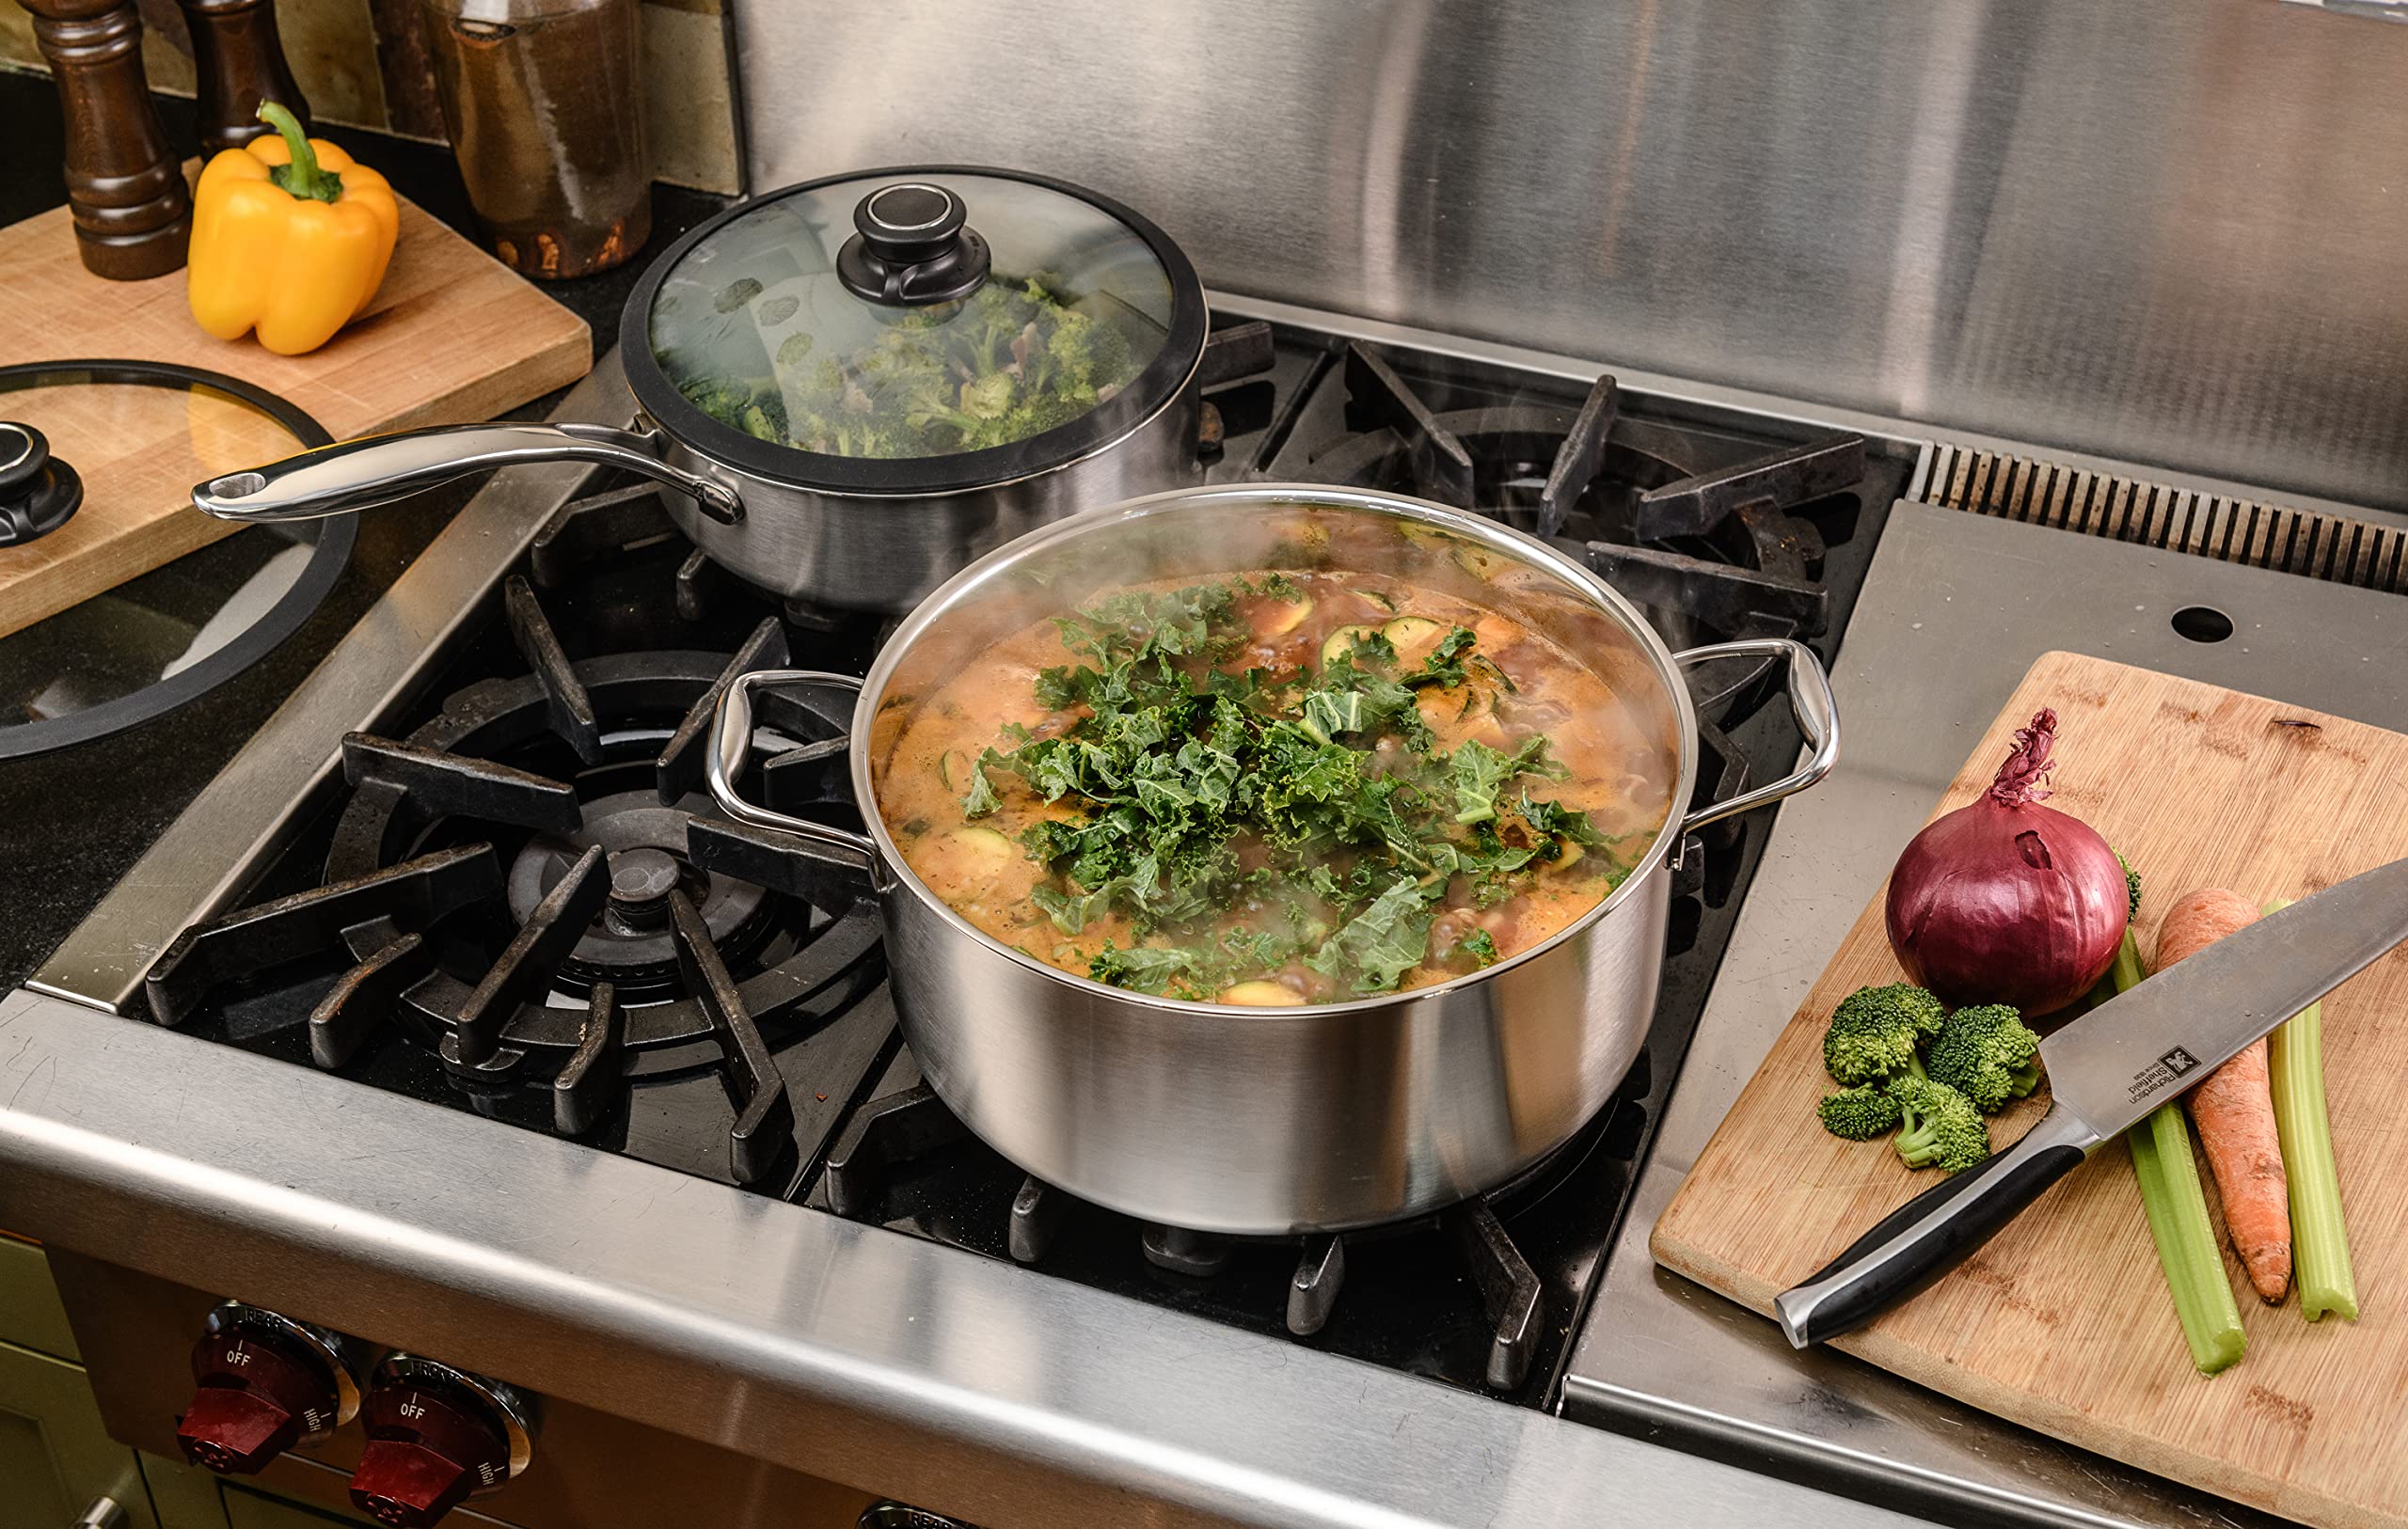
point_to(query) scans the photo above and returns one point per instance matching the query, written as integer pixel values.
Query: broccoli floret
(1036, 416)
(1915, 1006)
(1941, 1125)
(1088, 354)
(1859, 1113)
(751, 404)
(1010, 361)
(1986, 1053)
(1874, 1030)
(1865, 1049)
(764, 420)
(820, 389)
(989, 397)
(2132, 886)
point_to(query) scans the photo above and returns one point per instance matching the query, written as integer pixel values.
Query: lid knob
(913, 245)
(37, 493)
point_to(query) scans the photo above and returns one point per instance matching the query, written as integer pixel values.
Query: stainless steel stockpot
(1276, 1120)
(765, 295)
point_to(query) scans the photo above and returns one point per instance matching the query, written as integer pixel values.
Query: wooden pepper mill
(241, 63)
(126, 192)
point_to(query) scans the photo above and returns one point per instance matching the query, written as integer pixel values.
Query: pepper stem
(304, 177)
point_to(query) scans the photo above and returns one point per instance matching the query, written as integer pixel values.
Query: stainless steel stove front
(597, 1471)
(700, 1350)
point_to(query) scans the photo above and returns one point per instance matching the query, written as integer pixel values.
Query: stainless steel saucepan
(1276, 1120)
(850, 387)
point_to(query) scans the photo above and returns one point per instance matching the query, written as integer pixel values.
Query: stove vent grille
(2328, 547)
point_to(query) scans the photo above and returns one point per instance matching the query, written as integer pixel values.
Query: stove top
(520, 904)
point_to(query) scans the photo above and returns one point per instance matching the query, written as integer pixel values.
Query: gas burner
(607, 547)
(1712, 551)
(912, 1126)
(603, 943)
(644, 844)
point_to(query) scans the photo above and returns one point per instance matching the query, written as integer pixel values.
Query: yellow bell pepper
(289, 237)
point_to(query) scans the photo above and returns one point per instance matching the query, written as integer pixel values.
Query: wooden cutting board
(453, 336)
(2063, 1323)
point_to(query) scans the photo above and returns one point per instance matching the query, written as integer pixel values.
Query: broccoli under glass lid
(911, 314)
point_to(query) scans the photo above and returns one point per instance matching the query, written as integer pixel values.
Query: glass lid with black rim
(94, 460)
(914, 330)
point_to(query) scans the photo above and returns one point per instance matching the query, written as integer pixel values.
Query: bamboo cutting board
(451, 336)
(2063, 1323)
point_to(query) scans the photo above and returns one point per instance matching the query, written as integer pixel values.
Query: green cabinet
(184, 1496)
(54, 1456)
(31, 1315)
(189, 1498)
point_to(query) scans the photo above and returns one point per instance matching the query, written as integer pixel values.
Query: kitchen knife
(2107, 1070)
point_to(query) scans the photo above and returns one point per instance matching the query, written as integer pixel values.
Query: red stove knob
(436, 1437)
(266, 1383)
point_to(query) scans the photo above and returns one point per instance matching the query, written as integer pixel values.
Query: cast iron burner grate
(515, 883)
(890, 1136)
(1712, 547)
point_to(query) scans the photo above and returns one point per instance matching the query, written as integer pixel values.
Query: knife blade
(2119, 1062)
(2106, 1071)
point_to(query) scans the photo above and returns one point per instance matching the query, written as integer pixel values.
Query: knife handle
(1932, 1233)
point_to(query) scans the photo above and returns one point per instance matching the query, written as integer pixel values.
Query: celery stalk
(2186, 1241)
(2178, 1217)
(2320, 1243)
(2127, 973)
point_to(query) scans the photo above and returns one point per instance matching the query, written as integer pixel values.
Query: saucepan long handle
(732, 746)
(1810, 700)
(1932, 1233)
(378, 469)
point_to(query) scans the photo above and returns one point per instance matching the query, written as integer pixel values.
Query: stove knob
(436, 1437)
(893, 1515)
(266, 1383)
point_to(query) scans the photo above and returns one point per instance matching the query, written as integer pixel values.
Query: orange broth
(1522, 685)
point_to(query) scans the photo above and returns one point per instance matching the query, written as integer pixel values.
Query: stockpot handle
(378, 469)
(732, 745)
(1811, 702)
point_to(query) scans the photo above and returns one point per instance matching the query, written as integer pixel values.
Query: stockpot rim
(897, 878)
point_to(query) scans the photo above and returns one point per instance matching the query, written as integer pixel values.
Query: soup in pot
(1273, 788)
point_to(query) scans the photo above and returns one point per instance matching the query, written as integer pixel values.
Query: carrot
(2234, 1108)
(2197, 920)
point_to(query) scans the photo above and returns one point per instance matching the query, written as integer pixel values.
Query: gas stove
(506, 896)
(520, 903)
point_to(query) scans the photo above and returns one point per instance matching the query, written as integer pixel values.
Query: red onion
(2005, 901)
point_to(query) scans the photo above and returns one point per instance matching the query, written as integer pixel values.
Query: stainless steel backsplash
(2171, 233)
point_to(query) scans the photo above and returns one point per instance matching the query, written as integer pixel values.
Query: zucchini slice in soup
(1336, 646)
(1413, 637)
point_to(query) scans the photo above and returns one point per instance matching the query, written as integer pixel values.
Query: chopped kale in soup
(1273, 789)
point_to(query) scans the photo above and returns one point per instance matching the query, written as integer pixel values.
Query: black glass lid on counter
(77, 666)
(914, 330)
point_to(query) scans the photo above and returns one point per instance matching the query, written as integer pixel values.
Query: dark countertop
(72, 823)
